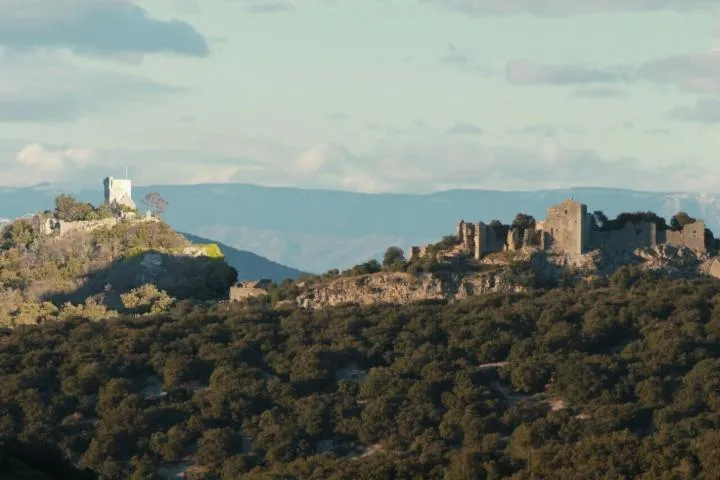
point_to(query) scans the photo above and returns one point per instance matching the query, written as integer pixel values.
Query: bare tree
(155, 203)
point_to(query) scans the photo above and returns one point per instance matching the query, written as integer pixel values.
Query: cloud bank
(95, 27)
(408, 165)
(34, 90)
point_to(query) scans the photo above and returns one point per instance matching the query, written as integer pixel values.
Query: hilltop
(96, 261)
(569, 245)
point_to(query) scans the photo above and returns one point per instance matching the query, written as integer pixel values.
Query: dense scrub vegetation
(68, 209)
(46, 277)
(615, 379)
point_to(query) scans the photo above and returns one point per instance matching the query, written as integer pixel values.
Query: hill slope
(316, 230)
(249, 265)
(595, 381)
(102, 267)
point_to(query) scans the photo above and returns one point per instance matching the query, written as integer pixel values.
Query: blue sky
(416, 95)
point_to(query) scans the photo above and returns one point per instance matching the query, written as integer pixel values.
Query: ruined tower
(118, 190)
(567, 227)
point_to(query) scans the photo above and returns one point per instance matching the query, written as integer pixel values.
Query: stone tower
(567, 227)
(118, 190)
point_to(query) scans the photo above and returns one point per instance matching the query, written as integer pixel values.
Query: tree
(394, 257)
(65, 207)
(70, 210)
(679, 220)
(523, 221)
(155, 203)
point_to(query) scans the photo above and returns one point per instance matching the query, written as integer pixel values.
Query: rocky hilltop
(570, 245)
(509, 276)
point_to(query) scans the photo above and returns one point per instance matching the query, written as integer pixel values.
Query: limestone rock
(400, 288)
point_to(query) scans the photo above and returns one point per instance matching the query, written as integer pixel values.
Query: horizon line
(393, 193)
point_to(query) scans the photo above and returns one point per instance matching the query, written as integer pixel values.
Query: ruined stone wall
(569, 229)
(633, 235)
(691, 236)
(488, 239)
(62, 227)
(468, 237)
(240, 293)
(566, 228)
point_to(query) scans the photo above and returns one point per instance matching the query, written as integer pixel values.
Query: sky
(369, 96)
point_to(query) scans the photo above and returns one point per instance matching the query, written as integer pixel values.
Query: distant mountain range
(316, 230)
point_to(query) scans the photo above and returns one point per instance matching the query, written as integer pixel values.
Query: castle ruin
(119, 191)
(569, 229)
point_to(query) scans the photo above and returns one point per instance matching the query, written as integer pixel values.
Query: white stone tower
(119, 190)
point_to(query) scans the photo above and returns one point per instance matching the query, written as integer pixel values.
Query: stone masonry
(569, 229)
(119, 190)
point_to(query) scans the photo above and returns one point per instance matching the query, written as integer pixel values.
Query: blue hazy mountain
(249, 265)
(315, 230)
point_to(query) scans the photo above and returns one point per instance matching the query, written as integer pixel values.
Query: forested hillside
(605, 380)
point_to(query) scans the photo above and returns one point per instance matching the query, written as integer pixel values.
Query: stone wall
(691, 236)
(566, 228)
(480, 239)
(243, 290)
(633, 235)
(489, 239)
(62, 227)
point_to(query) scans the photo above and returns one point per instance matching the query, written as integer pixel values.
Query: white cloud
(35, 155)
(323, 158)
(419, 163)
(36, 163)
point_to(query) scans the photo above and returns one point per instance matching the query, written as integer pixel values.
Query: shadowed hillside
(19, 461)
(180, 276)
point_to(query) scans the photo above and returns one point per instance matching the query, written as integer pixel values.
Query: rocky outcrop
(492, 274)
(401, 288)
